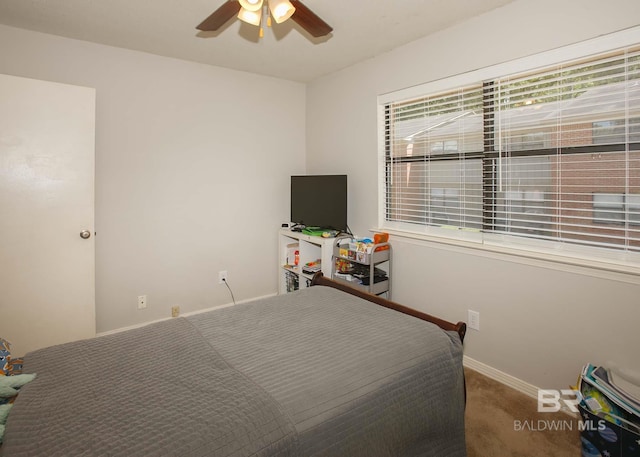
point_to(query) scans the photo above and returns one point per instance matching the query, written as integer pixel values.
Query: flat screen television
(319, 201)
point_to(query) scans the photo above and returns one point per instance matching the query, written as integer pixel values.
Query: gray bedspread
(312, 373)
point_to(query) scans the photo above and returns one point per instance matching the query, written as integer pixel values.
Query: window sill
(611, 269)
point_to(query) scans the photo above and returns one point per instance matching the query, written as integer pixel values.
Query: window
(551, 155)
(615, 131)
(618, 209)
(608, 208)
(434, 166)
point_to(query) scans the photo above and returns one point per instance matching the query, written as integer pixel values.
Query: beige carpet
(501, 421)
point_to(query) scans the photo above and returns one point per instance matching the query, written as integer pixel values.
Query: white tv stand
(310, 248)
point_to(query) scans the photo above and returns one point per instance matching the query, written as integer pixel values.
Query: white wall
(192, 172)
(539, 323)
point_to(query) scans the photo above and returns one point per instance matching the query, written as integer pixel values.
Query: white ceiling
(361, 30)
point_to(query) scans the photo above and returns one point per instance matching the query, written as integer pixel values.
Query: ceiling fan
(257, 12)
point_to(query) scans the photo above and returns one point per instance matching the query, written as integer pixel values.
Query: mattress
(313, 373)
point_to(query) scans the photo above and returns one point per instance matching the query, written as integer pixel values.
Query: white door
(47, 143)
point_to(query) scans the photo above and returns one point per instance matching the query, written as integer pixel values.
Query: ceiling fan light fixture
(251, 5)
(258, 12)
(281, 10)
(250, 17)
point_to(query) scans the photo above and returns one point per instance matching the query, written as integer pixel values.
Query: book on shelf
(607, 400)
(312, 267)
(605, 377)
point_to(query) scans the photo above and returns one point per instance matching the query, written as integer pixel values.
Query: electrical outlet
(175, 311)
(142, 301)
(222, 276)
(474, 320)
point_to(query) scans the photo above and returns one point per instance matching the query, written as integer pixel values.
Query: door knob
(85, 234)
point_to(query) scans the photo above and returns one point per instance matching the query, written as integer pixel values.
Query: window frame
(625, 211)
(566, 253)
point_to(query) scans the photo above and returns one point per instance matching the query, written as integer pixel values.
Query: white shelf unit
(310, 248)
(371, 261)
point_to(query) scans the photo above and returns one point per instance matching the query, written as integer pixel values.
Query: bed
(324, 371)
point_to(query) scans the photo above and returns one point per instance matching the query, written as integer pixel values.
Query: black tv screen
(319, 201)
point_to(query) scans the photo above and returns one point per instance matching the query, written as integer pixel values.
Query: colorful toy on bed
(8, 366)
(9, 371)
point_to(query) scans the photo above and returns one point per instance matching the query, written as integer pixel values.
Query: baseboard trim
(508, 380)
(500, 376)
(190, 313)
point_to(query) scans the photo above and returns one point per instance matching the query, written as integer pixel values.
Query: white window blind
(434, 173)
(552, 154)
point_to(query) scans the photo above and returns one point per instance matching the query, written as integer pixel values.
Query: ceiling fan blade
(309, 21)
(220, 16)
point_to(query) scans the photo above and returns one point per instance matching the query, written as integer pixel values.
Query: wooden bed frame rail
(320, 280)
